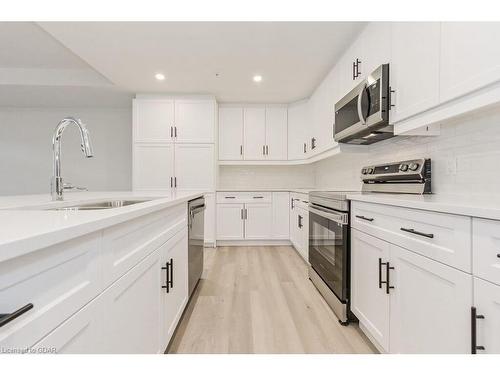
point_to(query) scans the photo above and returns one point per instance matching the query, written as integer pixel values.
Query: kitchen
(216, 206)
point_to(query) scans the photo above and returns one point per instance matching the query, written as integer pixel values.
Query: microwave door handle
(360, 99)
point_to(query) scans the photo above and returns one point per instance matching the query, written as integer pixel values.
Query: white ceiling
(292, 57)
(36, 70)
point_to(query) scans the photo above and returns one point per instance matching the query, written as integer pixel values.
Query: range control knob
(413, 166)
(403, 167)
(363, 171)
(370, 170)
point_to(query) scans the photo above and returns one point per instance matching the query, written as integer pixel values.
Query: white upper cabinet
(414, 70)
(376, 47)
(298, 122)
(470, 57)
(153, 120)
(194, 121)
(153, 166)
(254, 133)
(174, 120)
(276, 133)
(231, 133)
(194, 167)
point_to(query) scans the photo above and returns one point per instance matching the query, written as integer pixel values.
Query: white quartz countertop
(468, 205)
(26, 226)
(293, 190)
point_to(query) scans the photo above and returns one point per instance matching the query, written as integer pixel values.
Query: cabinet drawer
(57, 280)
(127, 243)
(244, 197)
(486, 249)
(442, 237)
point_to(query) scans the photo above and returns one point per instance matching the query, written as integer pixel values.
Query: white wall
(266, 177)
(465, 157)
(26, 149)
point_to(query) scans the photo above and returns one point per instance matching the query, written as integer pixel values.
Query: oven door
(328, 248)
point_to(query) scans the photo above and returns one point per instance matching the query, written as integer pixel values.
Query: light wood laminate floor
(258, 299)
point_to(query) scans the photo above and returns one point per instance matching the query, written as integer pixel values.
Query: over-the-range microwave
(362, 116)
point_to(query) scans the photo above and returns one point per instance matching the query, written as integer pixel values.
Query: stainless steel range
(329, 237)
(329, 249)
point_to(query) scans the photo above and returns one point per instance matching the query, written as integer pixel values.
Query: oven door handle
(340, 218)
(360, 99)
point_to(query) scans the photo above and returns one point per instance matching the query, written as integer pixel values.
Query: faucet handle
(70, 186)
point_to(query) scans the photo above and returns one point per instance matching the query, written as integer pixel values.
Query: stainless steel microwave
(362, 116)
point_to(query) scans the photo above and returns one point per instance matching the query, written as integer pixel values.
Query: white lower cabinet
(430, 305)
(280, 215)
(369, 299)
(408, 303)
(131, 310)
(257, 216)
(174, 285)
(258, 221)
(137, 313)
(82, 333)
(299, 225)
(123, 319)
(487, 304)
(230, 225)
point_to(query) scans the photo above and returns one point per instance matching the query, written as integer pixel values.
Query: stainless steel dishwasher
(196, 223)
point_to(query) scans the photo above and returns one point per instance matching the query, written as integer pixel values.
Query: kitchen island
(109, 280)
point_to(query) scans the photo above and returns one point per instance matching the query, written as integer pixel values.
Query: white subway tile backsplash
(463, 157)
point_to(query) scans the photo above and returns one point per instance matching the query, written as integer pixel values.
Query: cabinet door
(369, 300)
(298, 121)
(470, 57)
(375, 44)
(281, 215)
(303, 233)
(153, 166)
(258, 221)
(80, 334)
(57, 281)
(194, 121)
(430, 305)
(132, 310)
(293, 226)
(174, 256)
(276, 133)
(414, 70)
(230, 221)
(230, 133)
(153, 120)
(487, 303)
(194, 166)
(209, 230)
(255, 133)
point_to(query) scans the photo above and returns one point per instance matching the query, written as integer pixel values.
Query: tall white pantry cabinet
(174, 148)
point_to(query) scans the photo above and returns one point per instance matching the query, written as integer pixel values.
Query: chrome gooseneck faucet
(57, 187)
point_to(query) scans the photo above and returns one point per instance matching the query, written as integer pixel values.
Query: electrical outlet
(451, 166)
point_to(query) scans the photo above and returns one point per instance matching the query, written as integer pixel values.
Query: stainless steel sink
(100, 205)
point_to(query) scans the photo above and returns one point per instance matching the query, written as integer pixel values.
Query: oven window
(347, 115)
(327, 252)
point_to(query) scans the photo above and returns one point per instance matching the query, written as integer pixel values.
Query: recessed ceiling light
(257, 78)
(159, 76)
